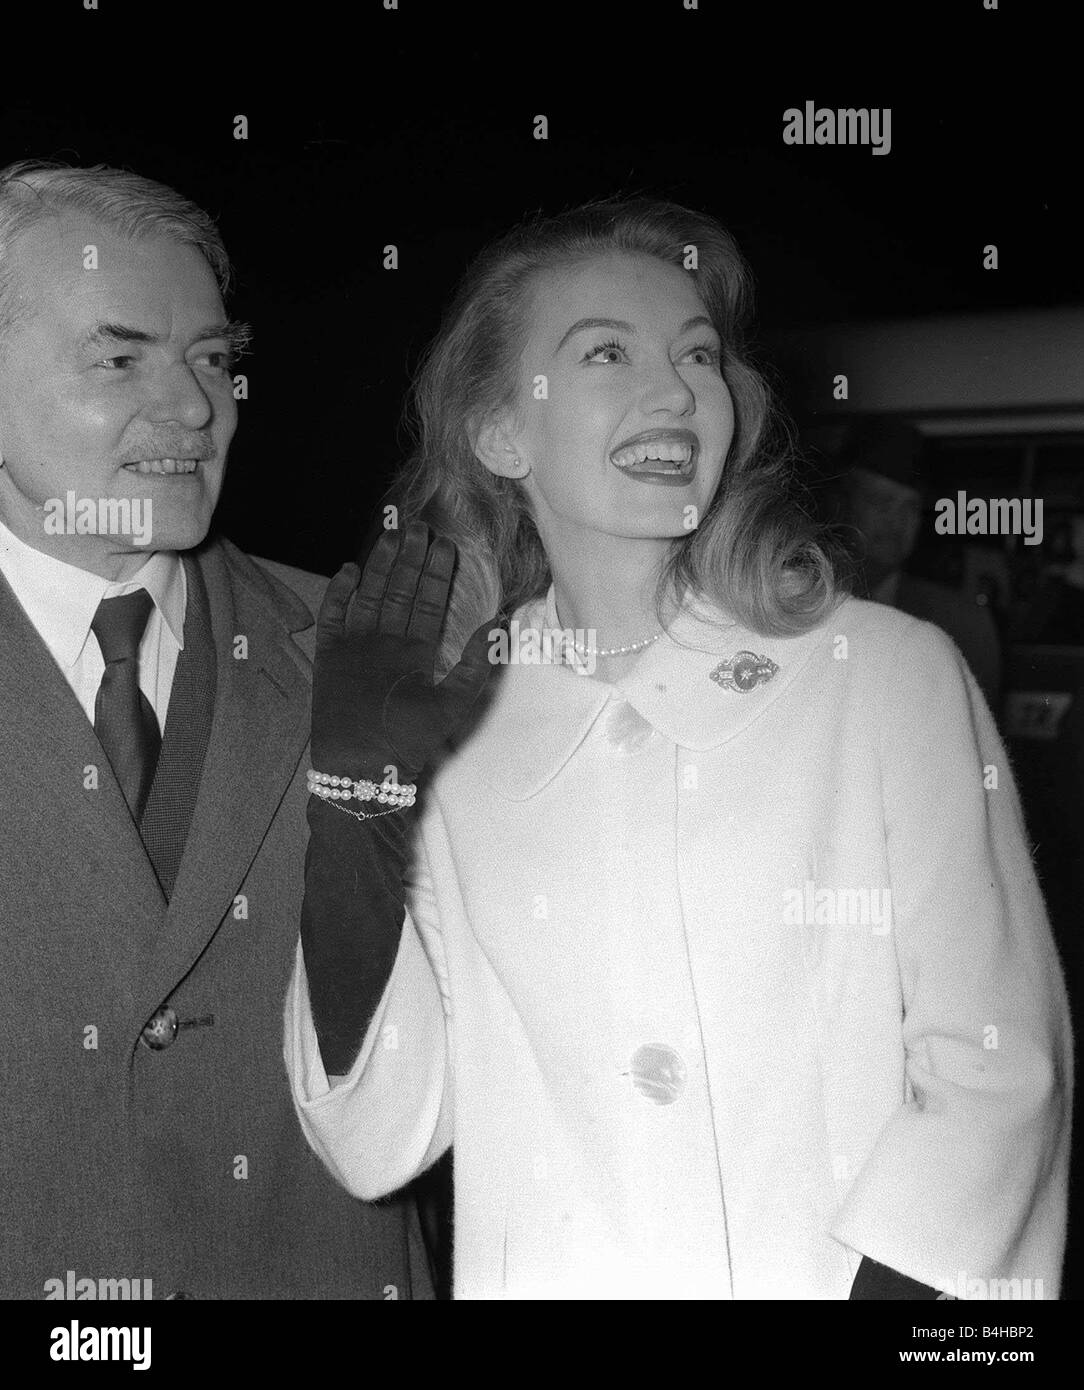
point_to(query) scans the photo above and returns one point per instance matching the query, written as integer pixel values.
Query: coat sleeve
(390, 1117)
(969, 1176)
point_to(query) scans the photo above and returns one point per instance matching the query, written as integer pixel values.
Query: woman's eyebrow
(581, 324)
(699, 321)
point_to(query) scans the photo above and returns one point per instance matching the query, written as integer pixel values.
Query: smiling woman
(599, 965)
(517, 317)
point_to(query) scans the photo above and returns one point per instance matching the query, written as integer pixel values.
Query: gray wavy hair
(34, 190)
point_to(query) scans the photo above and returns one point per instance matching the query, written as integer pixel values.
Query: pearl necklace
(612, 651)
(617, 651)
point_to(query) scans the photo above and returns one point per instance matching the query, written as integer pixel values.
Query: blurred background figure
(879, 500)
(1056, 612)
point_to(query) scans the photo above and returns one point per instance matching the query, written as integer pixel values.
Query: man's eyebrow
(236, 334)
(698, 322)
(117, 332)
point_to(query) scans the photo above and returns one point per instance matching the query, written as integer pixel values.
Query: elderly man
(155, 684)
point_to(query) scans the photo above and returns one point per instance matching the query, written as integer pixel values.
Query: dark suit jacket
(183, 1165)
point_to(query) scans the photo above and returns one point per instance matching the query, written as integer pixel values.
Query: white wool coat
(715, 991)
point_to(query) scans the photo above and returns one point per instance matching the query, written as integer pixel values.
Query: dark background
(415, 128)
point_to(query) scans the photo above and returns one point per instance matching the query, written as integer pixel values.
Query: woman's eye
(709, 356)
(601, 348)
(116, 364)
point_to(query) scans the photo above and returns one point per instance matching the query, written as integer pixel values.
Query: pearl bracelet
(397, 795)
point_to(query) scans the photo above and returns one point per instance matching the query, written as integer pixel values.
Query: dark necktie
(123, 718)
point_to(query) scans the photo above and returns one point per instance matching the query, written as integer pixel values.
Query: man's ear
(495, 448)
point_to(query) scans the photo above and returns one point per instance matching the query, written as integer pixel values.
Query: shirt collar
(61, 599)
(541, 713)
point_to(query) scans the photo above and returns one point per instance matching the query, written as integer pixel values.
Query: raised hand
(374, 699)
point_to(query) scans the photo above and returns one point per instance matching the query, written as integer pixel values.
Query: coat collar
(67, 825)
(258, 734)
(541, 713)
(259, 731)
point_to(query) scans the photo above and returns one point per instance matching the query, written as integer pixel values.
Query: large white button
(657, 1072)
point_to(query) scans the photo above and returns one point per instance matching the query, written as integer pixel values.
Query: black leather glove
(374, 700)
(375, 706)
(877, 1281)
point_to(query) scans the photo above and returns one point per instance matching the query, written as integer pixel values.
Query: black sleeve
(351, 920)
(875, 1280)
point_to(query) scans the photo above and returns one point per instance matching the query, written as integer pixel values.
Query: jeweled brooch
(744, 671)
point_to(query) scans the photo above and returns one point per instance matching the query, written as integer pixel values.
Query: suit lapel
(168, 814)
(259, 731)
(57, 829)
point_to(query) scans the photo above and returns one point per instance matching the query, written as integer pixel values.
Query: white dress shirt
(61, 601)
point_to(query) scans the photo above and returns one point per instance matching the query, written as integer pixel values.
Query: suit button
(161, 1028)
(657, 1072)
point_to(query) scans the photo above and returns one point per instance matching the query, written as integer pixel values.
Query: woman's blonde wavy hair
(756, 553)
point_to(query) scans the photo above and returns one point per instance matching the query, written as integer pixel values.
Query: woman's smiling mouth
(658, 456)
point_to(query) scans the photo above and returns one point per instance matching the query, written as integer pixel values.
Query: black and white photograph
(635, 453)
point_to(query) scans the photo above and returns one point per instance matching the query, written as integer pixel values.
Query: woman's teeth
(163, 466)
(637, 456)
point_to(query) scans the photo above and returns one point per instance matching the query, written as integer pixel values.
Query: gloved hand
(878, 1281)
(374, 704)
(374, 700)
